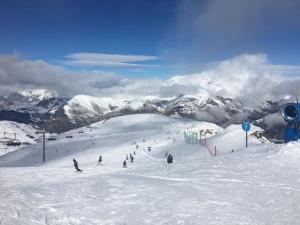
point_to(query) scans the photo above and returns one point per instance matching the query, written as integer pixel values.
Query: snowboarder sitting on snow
(124, 164)
(100, 159)
(76, 165)
(170, 158)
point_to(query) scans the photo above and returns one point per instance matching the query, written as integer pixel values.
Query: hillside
(59, 113)
(194, 188)
(16, 133)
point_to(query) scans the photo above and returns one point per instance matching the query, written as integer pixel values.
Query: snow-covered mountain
(17, 134)
(59, 114)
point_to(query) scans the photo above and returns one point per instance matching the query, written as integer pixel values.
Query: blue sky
(166, 36)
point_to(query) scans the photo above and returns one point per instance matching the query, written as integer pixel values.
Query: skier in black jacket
(170, 158)
(76, 165)
(131, 158)
(100, 159)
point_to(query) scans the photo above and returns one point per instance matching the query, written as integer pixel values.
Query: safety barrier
(195, 138)
(211, 149)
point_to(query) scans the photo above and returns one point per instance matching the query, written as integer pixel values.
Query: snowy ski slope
(258, 185)
(11, 130)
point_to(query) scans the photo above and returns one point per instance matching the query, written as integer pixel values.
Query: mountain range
(53, 113)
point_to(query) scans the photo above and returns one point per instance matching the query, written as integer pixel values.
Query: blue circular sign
(246, 126)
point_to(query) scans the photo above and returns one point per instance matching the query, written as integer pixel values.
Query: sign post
(44, 146)
(246, 128)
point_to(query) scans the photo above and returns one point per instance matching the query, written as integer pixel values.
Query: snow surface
(258, 185)
(233, 138)
(10, 130)
(85, 104)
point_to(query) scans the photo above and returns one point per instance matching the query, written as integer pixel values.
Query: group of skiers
(101, 159)
(80, 170)
(131, 159)
(169, 158)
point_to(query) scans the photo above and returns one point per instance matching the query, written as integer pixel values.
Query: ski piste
(198, 182)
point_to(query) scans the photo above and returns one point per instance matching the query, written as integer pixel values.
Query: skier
(131, 158)
(124, 164)
(76, 165)
(126, 156)
(134, 152)
(170, 158)
(100, 159)
(137, 146)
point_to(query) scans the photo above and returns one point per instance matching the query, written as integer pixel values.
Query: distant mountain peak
(37, 95)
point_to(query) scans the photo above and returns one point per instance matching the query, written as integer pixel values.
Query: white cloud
(19, 74)
(108, 60)
(284, 69)
(250, 78)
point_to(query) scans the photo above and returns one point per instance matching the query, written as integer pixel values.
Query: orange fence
(194, 138)
(211, 149)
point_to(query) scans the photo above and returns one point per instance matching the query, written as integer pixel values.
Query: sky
(142, 40)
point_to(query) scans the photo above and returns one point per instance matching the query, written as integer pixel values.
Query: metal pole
(297, 122)
(44, 147)
(246, 139)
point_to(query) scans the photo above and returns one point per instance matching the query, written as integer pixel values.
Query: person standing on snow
(124, 164)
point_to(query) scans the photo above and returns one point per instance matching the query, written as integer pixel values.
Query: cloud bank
(247, 77)
(20, 74)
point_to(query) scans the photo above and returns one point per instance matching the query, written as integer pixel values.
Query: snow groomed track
(259, 185)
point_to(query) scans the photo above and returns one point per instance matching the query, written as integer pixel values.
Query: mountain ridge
(59, 114)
